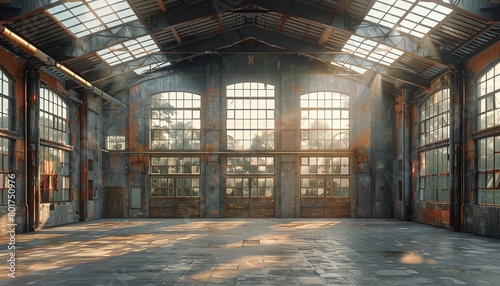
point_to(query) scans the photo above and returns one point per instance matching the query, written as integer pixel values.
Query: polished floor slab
(251, 252)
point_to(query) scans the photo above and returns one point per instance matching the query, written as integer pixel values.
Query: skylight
(152, 67)
(372, 50)
(129, 50)
(354, 68)
(419, 16)
(90, 16)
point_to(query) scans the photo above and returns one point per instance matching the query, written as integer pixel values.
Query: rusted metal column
(84, 176)
(32, 148)
(456, 145)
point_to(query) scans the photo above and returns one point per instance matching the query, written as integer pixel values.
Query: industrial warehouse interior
(250, 142)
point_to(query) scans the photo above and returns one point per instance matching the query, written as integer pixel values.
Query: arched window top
(324, 99)
(490, 80)
(250, 89)
(489, 98)
(54, 117)
(175, 120)
(6, 98)
(324, 120)
(176, 100)
(5, 84)
(435, 117)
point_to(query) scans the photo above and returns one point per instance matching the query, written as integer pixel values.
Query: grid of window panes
(5, 101)
(324, 187)
(434, 175)
(253, 186)
(175, 121)
(324, 121)
(115, 142)
(175, 187)
(317, 179)
(54, 123)
(54, 175)
(419, 16)
(435, 117)
(250, 116)
(175, 165)
(249, 187)
(488, 165)
(250, 165)
(6, 151)
(324, 165)
(87, 17)
(489, 99)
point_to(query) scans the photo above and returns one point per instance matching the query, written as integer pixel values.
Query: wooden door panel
(114, 202)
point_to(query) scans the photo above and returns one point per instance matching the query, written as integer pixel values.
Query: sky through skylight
(413, 17)
(90, 16)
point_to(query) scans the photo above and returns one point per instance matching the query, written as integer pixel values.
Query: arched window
(488, 149)
(434, 159)
(54, 162)
(175, 120)
(6, 144)
(250, 116)
(324, 121)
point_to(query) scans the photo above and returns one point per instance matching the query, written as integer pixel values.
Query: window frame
(428, 116)
(193, 107)
(344, 113)
(259, 124)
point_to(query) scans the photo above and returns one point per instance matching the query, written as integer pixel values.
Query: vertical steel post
(407, 160)
(456, 145)
(32, 110)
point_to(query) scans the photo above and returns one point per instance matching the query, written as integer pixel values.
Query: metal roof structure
(181, 33)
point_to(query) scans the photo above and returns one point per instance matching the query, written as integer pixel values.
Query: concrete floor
(252, 252)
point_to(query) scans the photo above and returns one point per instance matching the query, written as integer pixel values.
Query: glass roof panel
(421, 18)
(354, 68)
(128, 50)
(103, 14)
(372, 50)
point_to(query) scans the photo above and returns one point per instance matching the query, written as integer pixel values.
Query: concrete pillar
(212, 108)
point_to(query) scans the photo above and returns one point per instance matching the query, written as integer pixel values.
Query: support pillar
(32, 148)
(84, 177)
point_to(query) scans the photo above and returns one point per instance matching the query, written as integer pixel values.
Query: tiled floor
(252, 252)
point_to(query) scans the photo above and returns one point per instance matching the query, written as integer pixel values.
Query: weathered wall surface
(371, 156)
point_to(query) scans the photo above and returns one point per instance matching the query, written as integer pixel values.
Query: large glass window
(434, 166)
(175, 121)
(324, 177)
(177, 177)
(488, 165)
(489, 99)
(250, 116)
(249, 176)
(435, 117)
(324, 121)
(488, 149)
(54, 175)
(6, 123)
(54, 162)
(54, 122)
(434, 161)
